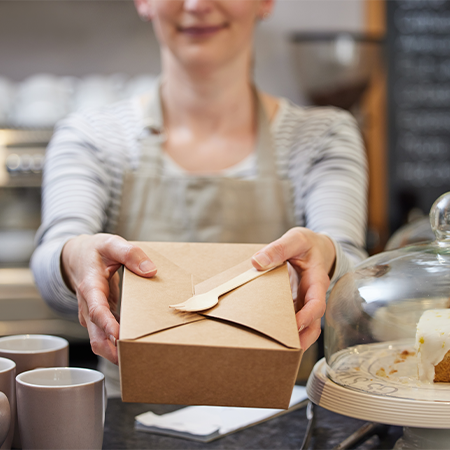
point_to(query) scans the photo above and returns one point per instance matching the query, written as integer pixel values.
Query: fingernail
(147, 266)
(302, 327)
(113, 340)
(263, 260)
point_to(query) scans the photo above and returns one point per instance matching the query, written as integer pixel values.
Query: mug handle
(5, 417)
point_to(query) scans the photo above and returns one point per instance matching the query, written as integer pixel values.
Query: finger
(311, 311)
(310, 335)
(294, 243)
(314, 305)
(100, 344)
(81, 319)
(96, 309)
(298, 304)
(312, 294)
(313, 284)
(83, 311)
(116, 248)
(103, 318)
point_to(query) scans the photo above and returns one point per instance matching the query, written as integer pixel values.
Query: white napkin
(212, 420)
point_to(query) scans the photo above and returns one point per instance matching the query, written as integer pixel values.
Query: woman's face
(204, 32)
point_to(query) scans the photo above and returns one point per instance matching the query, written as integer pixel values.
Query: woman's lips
(201, 31)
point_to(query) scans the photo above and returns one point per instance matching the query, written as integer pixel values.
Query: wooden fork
(209, 299)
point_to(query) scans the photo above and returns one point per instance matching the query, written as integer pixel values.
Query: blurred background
(387, 62)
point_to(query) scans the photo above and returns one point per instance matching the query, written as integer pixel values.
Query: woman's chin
(200, 61)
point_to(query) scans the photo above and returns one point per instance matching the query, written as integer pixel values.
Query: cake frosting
(433, 345)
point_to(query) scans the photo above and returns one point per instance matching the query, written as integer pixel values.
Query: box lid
(263, 306)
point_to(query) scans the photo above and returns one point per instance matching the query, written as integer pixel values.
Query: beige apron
(191, 208)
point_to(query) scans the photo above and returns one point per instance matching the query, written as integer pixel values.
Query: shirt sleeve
(74, 201)
(331, 186)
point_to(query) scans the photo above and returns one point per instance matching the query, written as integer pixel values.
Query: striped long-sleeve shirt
(320, 150)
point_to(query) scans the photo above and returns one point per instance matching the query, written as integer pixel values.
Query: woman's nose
(198, 6)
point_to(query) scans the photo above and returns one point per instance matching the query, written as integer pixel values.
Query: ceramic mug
(61, 408)
(7, 412)
(30, 351)
(5, 418)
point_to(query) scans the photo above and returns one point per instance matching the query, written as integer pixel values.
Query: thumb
(270, 256)
(131, 256)
(264, 259)
(293, 244)
(145, 268)
(139, 263)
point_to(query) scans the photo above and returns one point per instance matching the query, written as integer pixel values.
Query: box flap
(214, 333)
(260, 305)
(149, 311)
(203, 259)
(180, 264)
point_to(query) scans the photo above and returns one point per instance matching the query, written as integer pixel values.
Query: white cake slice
(433, 346)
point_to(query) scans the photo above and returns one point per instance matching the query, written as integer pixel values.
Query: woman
(204, 157)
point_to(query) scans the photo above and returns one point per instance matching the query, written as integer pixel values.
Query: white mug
(41, 100)
(5, 418)
(30, 351)
(7, 402)
(61, 408)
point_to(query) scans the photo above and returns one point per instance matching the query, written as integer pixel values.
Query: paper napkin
(206, 423)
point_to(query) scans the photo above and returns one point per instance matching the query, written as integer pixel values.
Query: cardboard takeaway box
(243, 352)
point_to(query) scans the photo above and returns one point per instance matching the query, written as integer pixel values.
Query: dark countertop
(284, 432)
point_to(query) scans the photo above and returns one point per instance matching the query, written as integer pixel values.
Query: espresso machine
(335, 68)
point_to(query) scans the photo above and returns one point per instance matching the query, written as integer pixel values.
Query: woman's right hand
(89, 265)
(313, 257)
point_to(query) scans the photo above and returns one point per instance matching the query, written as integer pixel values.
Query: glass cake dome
(373, 311)
(372, 370)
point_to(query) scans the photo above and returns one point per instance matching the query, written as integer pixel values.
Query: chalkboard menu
(418, 55)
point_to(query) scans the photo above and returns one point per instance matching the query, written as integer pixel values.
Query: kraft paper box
(243, 352)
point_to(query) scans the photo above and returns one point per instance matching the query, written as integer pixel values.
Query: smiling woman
(200, 34)
(205, 45)
(204, 157)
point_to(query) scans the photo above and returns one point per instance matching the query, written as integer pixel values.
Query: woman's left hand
(312, 257)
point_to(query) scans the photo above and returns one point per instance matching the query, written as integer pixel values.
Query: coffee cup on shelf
(41, 100)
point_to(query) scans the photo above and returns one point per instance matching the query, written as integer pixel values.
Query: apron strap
(267, 164)
(153, 136)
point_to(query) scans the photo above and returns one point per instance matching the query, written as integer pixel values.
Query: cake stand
(378, 383)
